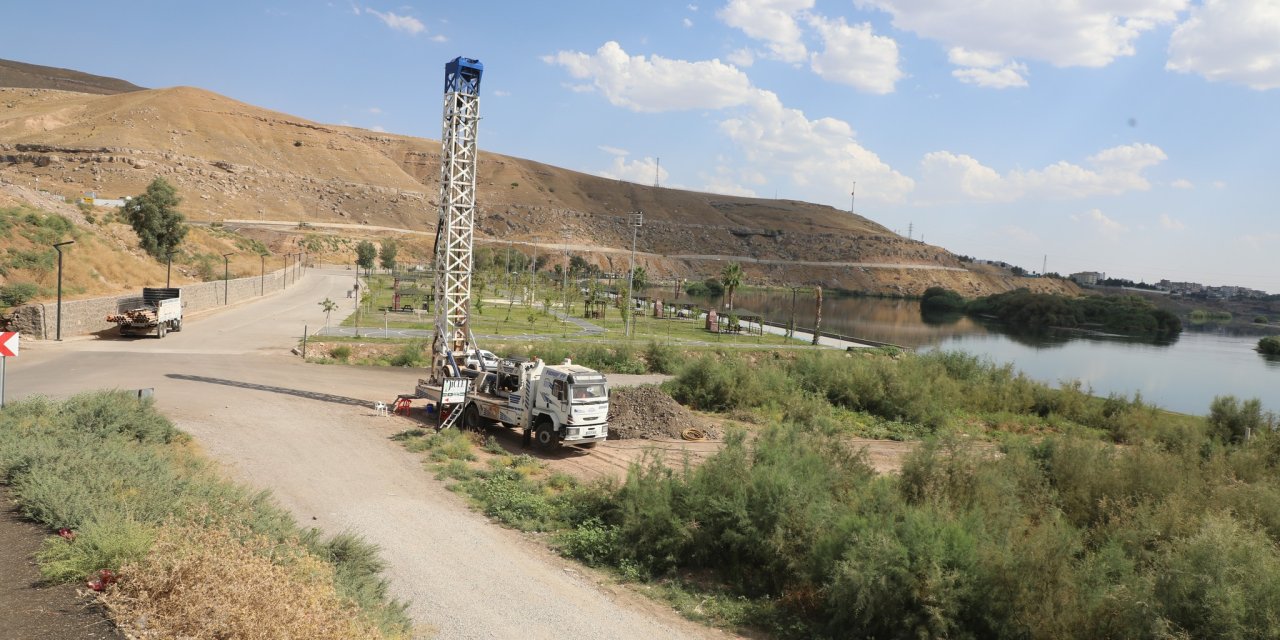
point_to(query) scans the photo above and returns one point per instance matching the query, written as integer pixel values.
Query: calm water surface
(1183, 376)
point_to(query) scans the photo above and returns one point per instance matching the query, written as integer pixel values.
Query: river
(1182, 376)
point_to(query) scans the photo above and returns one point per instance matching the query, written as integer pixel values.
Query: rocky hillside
(234, 161)
(34, 76)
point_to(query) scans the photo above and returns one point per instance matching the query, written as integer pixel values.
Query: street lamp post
(226, 278)
(58, 247)
(636, 219)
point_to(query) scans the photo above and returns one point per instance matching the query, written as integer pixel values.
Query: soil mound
(648, 412)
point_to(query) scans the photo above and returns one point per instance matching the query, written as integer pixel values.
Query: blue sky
(1135, 137)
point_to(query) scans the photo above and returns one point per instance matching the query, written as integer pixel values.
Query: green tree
(640, 279)
(365, 253)
(731, 276)
(387, 256)
(329, 306)
(155, 218)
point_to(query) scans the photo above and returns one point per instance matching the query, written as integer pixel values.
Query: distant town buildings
(1088, 278)
(1222, 293)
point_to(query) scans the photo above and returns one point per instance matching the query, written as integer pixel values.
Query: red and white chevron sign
(9, 344)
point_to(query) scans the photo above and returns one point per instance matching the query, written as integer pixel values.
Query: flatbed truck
(157, 312)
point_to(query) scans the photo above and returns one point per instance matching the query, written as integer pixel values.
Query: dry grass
(199, 582)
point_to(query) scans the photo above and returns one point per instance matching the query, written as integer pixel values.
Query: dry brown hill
(231, 160)
(34, 76)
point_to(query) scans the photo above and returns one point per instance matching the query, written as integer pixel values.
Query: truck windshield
(589, 392)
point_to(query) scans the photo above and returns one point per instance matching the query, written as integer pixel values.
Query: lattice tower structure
(455, 231)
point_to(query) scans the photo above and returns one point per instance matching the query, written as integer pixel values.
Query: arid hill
(34, 76)
(233, 161)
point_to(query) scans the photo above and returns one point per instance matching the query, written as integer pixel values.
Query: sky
(1140, 138)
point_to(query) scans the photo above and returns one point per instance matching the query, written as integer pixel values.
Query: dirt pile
(647, 412)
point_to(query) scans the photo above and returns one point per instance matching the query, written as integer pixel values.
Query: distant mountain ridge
(23, 75)
(234, 161)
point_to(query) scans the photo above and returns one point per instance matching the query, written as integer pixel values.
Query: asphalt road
(309, 434)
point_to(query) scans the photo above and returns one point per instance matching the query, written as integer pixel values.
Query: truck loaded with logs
(157, 312)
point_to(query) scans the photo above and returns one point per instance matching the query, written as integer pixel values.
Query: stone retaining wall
(80, 317)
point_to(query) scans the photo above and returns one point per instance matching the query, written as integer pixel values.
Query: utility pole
(853, 195)
(1044, 266)
(226, 283)
(636, 220)
(262, 278)
(58, 247)
(910, 229)
(657, 171)
(168, 267)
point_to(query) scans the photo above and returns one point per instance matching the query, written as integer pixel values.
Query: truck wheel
(160, 330)
(471, 418)
(177, 324)
(546, 436)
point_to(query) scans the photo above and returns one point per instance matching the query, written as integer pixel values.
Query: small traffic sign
(9, 343)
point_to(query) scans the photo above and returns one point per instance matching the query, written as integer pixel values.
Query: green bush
(1232, 421)
(1269, 345)
(341, 353)
(411, 355)
(18, 293)
(941, 300)
(660, 358)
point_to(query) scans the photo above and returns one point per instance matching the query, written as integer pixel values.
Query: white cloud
(1218, 184)
(377, 128)
(1008, 76)
(1235, 41)
(986, 69)
(854, 55)
(439, 37)
(692, 7)
(773, 21)
(1170, 223)
(743, 57)
(641, 171)
(949, 177)
(1182, 183)
(614, 151)
(375, 110)
(657, 83)
(1085, 33)
(499, 93)
(822, 153)
(407, 24)
(687, 23)
(1105, 226)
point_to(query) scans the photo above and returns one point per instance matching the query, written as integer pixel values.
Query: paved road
(308, 433)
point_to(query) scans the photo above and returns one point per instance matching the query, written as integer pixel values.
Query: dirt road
(308, 433)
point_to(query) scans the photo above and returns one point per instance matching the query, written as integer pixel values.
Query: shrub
(340, 352)
(1269, 345)
(941, 300)
(1232, 421)
(1261, 320)
(660, 358)
(18, 293)
(411, 355)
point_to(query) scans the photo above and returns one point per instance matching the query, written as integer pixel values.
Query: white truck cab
(553, 404)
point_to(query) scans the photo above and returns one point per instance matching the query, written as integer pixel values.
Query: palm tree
(640, 279)
(731, 276)
(329, 307)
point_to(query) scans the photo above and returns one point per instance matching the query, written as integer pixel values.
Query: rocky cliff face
(231, 160)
